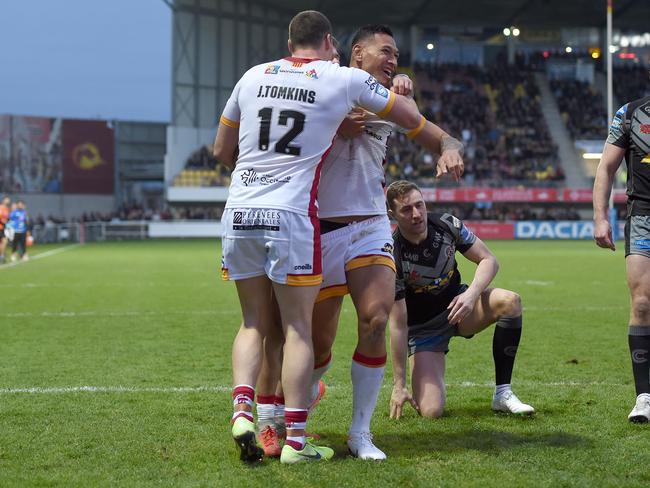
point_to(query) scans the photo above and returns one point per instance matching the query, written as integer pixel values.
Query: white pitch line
(227, 388)
(42, 255)
(113, 313)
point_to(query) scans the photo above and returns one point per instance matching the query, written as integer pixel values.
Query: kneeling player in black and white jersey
(432, 305)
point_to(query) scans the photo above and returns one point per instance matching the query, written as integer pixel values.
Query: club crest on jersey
(272, 69)
(646, 159)
(311, 74)
(249, 176)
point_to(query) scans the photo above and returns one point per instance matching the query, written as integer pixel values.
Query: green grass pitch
(115, 371)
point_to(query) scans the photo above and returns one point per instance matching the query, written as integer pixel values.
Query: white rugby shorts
(283, 245)
(357, 245)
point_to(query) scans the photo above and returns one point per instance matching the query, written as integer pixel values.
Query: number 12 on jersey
(283, 146)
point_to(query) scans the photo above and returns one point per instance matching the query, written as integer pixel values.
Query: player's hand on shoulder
(398, 398)
(352, 125)
(603, 234)
(450, 162)
(461, 306)
(402, 85)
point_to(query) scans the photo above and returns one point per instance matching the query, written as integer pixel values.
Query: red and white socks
(296, 419)
(243, 397)
(265, 409)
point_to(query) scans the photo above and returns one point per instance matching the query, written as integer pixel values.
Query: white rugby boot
(509, 403)
(361, 446)
(640, 414)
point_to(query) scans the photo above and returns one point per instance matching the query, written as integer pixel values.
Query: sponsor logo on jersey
(272, 69)
(413, 257)
(435, 284)
(645, 128)
(256, 219)
(646, 109)
(642, 244)
(311, 74)
(377, 87)
(646, 159)
(250, 177)
(382, 91)
(374, 135)
(303, 267)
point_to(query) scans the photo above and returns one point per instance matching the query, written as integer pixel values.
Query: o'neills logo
(86, 156)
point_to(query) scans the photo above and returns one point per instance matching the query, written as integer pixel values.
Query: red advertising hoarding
(525, 195)
(89, 153)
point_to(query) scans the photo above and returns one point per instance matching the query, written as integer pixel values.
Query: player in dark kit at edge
(629, 137)
(432, 305)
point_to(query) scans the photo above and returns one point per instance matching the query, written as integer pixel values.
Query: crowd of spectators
(631, 83)
(496, 113)
(509, 212)
(202, 160)
(582, 108)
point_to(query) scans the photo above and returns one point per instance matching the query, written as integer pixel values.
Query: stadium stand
(497, 113)
(631, 83)
(582, 107)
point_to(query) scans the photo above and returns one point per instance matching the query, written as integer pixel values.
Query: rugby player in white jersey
(356, 236)
(278, 125)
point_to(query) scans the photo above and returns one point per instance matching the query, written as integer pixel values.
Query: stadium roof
(628, 14)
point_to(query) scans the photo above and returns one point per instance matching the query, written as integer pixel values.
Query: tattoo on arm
(450, 143)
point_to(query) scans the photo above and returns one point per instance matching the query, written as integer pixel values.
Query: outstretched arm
(398, 348)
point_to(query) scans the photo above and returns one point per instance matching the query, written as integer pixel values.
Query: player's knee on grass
(641, 309)
(509, 304)
(431, 409)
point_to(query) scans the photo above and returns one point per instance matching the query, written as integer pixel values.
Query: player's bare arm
(605, 174)
(487, 267)
(353, 124)
(226, 143)
(436, 140)
(398, 347)
(403, 111)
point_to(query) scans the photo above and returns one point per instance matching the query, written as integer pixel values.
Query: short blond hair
(397, 189)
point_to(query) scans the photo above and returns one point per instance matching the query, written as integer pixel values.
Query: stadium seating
(582, 108)
(496, 113)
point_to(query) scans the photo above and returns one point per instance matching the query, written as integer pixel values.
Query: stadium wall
(67, 206)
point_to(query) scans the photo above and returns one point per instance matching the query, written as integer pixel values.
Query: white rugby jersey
(352, 179)
(288, 112)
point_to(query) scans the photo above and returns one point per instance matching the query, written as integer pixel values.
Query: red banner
(526, 195)
(88, 148)
(491, 230)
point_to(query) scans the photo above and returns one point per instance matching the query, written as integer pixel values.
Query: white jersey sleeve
(231, 112)
(366, 92)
